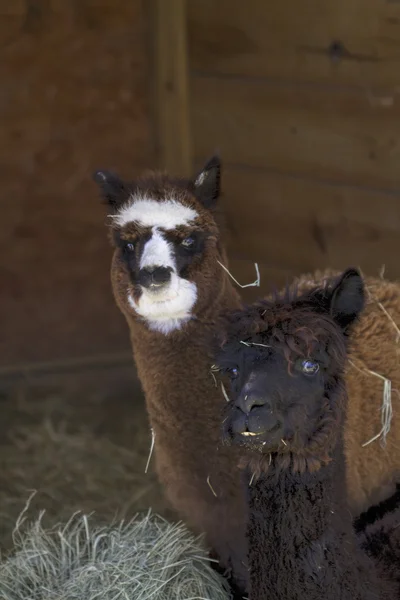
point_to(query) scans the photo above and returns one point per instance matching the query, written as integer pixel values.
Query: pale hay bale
(146, 558)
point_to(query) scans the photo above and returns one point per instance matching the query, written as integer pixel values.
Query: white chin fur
(169, 309)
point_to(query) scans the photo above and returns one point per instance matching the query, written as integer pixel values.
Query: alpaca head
(166, 244)
(283, 361)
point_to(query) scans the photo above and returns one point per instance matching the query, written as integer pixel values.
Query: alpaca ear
(347, 298)
(114, 190)
(207, 182)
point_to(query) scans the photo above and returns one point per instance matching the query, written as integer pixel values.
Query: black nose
(255, 411)
(154, 276)
(246, 402)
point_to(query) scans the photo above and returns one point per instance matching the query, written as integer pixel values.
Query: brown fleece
(372, 471)
(185, 406)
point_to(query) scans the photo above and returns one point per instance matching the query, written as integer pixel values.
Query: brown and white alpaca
(171, 289)
(286, 362)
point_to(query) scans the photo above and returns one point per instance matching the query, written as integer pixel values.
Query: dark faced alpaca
(285, 360)
(164, 233)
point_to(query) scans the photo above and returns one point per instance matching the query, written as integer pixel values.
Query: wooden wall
(303, 100)
(74, 97)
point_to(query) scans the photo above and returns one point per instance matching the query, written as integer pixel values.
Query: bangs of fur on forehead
(195, 197)
(299, 321)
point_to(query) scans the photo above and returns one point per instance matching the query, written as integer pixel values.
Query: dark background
(303, 105)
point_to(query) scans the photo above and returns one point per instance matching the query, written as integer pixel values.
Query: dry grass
(147, 558)
(85, 451)
(81, 450)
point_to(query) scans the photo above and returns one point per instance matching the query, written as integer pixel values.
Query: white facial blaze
(170, 307)
(166, 214)
(157, 252)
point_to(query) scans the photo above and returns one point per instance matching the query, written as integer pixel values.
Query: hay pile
(81, 450)
(84, 451)
(146, 558)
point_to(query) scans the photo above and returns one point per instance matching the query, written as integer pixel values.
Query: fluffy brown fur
(380, 539)
(302, 545)
(184, 405)
(183, 402)
(287, 391)
(373, 470)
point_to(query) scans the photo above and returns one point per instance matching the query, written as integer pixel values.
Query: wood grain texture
(288, 40)
(74, 97)
(171, 86)
(346, 136)
(298, 225)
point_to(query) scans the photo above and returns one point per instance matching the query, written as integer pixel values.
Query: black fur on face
(186, 249)
(283, 364)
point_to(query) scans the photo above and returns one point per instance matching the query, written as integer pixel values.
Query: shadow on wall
(74, 97)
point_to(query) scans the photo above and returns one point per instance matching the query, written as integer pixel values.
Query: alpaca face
(166, 244)
(283, 365)
(161, 241)
(278, 398)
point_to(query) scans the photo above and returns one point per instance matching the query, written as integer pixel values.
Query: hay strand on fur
(387, 407)
(214, 378)
(254, 344)
(153, 438)
(386, 410)
(214, 369)
(386, 413)
(224, 392)
(146, 558)
(255, 283)
(211, 487)
(382, 308)
(389, 316)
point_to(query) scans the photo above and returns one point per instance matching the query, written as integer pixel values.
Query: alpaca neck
(301, 540)
(184, 403)
(184, 406)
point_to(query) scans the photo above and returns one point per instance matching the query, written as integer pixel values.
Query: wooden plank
(341, 135)
(171, 86)
(299, 225)
(291, 41)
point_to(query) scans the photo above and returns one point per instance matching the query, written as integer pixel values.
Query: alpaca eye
(309, 367)
(130, 247)
(188, 242)
(233, 372)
